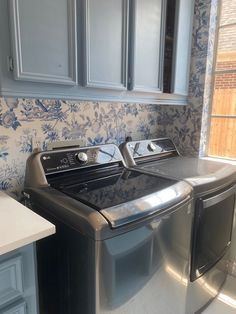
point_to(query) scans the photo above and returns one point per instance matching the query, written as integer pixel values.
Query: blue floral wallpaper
(188, 125)
(22, 121)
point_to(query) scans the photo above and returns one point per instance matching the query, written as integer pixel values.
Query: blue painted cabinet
(106, 35)
(18, 290)
(147, 45)
(19, 308)
(182, 49)
(98, 50)
(44, 40)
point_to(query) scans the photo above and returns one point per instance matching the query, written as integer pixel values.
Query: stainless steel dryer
(123, 237)
(214, 201)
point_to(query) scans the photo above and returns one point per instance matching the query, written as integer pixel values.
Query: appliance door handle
(218, 198)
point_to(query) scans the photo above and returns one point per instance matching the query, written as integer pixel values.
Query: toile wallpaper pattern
(188, 125)
(24, 120)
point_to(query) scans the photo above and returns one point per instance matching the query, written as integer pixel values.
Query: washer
(214, 201)
(123, 237)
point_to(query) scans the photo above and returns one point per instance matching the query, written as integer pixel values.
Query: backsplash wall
(24, 120)
(188, 125)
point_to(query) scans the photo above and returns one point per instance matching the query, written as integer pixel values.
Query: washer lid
(155, 203)
(122, 195)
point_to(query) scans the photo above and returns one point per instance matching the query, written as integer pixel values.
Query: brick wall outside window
(226, 54)
(222, 140)
(225, 81)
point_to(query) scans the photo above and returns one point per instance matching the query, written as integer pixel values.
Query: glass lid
(112, 188)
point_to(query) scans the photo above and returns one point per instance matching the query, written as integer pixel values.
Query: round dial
(82, 157)
(151, 147)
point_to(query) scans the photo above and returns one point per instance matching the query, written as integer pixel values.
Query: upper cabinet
(147, 31)
(106, 50)
(182, 47)
(44, 40)
(112, 50)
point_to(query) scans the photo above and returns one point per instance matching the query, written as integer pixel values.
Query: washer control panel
(69, 159)
(82, 158)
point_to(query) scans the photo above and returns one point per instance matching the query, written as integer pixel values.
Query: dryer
(213, 186)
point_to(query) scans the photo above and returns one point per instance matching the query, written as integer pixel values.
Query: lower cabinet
(11, 280)
(18, 290)
(19, 308)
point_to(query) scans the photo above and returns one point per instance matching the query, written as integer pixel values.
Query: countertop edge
(27, 240)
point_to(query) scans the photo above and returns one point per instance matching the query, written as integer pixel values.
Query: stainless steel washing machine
(214, 201)
(123, 237)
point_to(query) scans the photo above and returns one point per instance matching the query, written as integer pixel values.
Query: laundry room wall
(24, 120)
(188, 125)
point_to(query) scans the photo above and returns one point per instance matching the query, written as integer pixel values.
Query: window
(222, 140)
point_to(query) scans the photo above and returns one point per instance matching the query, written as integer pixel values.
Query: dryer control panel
(146, 148)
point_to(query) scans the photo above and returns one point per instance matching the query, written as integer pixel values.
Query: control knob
(82, 158)
(151, 147)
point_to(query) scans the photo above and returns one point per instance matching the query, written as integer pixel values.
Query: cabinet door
(18, 281)
(147, 45)
(106, 43)
(182, 50)
(15, 309)
(11, 283)
(44, 40)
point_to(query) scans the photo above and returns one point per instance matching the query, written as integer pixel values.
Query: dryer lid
(204, 175)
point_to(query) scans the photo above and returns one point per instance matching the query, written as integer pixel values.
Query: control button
(82, 158)
(64, 161)
(46, 157)
(151, 147)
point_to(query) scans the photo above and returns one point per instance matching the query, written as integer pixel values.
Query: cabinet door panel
(11, 283)
(15, 309)
(147, 45)
(182, 51)
(106, 43)
(44, 40)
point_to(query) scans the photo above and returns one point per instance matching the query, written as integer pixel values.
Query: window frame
(216, 72)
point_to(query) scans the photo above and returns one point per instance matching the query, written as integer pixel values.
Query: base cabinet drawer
(11, 282)
(16, 309)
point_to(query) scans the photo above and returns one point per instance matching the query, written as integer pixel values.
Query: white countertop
(19, 225)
